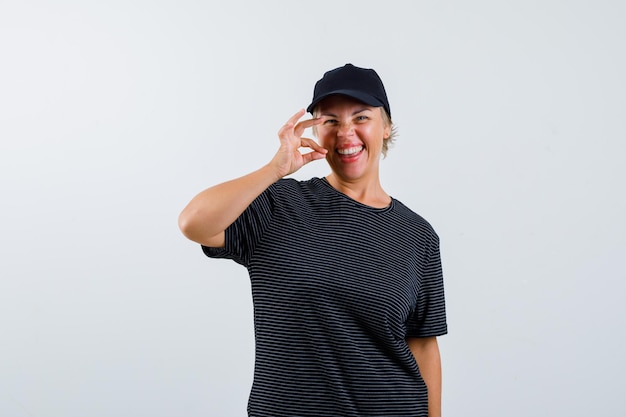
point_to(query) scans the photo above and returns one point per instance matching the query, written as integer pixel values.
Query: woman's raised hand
(289, 159)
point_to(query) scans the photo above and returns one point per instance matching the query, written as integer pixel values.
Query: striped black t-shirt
(337, 286)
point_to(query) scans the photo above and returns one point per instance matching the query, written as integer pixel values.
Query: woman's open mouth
(351, 152)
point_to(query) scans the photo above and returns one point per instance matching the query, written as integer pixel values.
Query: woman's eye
(330, 121)
(361, 118)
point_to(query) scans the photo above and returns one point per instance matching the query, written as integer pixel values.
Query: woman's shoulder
(311, 186)
(412, 217)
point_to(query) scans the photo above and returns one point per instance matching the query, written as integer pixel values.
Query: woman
(346, 281)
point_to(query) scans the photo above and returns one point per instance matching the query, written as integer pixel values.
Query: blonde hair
(387, 143)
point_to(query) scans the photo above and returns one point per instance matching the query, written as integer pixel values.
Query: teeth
(350, 151)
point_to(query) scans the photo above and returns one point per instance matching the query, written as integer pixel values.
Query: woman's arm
(426, 353)
(209, 213)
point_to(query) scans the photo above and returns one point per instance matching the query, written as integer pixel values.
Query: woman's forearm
(210, 212)
(426, 353)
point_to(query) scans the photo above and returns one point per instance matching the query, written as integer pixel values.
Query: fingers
(294, 119)
(310, 143)
(312, 156)
(317, 151)
(290, 135)
(300, 127)
(291, 123)
(297, 129)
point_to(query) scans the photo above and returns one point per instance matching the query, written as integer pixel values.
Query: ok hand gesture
(289, 159)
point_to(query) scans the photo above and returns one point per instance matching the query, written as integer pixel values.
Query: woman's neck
(370, 193)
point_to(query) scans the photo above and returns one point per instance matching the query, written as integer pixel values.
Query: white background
(113, 114)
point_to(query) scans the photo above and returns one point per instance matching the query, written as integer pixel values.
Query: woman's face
(353, 134)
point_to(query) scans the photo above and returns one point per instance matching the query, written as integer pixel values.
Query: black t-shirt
(337, 287)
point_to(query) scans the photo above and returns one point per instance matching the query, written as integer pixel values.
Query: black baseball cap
(362, 84)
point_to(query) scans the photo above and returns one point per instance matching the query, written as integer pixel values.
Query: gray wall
(114, 114)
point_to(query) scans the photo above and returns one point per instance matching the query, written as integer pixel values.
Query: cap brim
(364, 98)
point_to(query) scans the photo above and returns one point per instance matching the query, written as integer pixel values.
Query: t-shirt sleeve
(244, 234)
(429, 317)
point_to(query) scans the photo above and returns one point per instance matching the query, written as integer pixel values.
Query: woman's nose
(345, 129)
